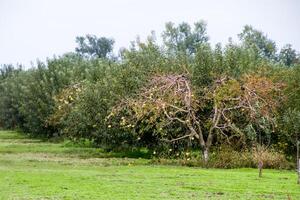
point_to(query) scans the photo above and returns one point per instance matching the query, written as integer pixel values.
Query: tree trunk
(260, 167)
(298, 171)
(205, 155)
(298, 162)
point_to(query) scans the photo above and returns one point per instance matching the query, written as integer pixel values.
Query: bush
(226, 157)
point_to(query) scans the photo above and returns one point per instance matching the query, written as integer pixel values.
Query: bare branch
(179, 138)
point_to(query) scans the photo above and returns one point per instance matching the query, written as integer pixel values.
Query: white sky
(31, 29)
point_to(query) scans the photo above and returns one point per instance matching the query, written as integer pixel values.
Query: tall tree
(183, 38)
(257, 40)
(288, 55)
(94, 47)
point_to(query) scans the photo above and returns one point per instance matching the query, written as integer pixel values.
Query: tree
(225, 109)
(94, 47)
(291, 127)
(6, 71)
(184, 39)
(11, 81)
(287, 55)
(252, 38)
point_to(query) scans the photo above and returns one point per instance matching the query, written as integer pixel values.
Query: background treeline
(96, 96)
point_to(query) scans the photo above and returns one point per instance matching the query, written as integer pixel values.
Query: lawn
(33, 169)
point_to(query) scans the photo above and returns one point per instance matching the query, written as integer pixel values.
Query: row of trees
(184, 93)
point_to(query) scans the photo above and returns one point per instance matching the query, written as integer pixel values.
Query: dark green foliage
(94, 47)
(10, 94)
(288, 55)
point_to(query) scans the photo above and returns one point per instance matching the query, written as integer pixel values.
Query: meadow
(36, 169)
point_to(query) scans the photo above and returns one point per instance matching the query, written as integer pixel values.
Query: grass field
(33, 169)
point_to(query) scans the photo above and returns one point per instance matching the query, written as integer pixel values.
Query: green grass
(33, 169)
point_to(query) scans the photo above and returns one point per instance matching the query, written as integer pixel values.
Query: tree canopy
(93, 46)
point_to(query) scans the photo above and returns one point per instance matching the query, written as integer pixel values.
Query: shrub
(226, 157)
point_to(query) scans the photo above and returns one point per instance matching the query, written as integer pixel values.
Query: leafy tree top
(184, 38)
(94, 47)
(257, 40)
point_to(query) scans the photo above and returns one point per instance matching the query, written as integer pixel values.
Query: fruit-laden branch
(224, 108)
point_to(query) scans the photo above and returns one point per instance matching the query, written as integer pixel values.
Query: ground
(33, 169)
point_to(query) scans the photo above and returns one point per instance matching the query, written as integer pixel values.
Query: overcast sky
(31, 29)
